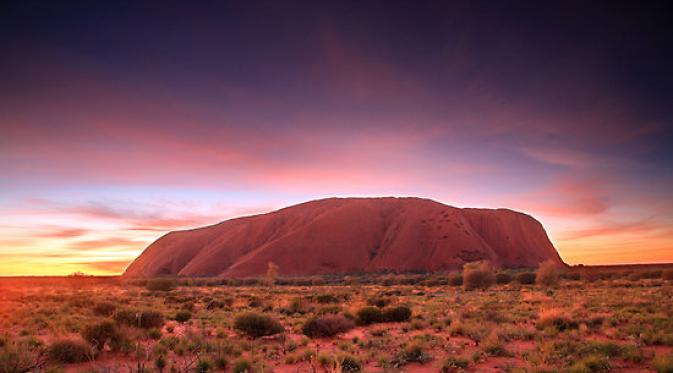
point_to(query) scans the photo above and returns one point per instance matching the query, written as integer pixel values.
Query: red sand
(350, 235)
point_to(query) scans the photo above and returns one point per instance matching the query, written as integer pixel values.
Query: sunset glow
(117, 127)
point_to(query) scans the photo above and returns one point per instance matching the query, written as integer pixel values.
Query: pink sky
(107, 142)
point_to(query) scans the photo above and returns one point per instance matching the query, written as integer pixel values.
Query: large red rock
(350, 235)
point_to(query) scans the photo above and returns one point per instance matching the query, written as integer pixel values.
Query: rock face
(350, 235)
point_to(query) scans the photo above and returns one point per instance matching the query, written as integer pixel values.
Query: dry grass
(620, 321)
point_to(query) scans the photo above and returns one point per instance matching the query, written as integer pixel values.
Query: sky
(121, 121)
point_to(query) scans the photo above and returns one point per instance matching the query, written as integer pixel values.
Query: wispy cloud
(58, 232)
(646, 226)
(109, 267)
(568, 197)
(105, 244)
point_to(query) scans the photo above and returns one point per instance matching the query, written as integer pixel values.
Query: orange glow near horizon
(105, 247)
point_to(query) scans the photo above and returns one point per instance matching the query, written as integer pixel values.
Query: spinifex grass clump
(369, 315)
(454, 364)
(327, 326)
(19, 355)
(664, 363)
(242, 366)
(69, 351)
(104, 309)
(412, 353)
(102, 333)
(379, 302)
(348, 364)
(556, 320)
(183, 316)
(140, 319)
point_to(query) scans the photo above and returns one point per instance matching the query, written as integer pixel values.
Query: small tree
(478, 275)
(327, 326)
(271, 273)
(548, 274)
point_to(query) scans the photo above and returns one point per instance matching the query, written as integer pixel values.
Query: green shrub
(160, 362)
(327, 326)
(590, 364)
(326, 360)
(326, 310)
(140, 319)
(378, 302)
(526, 278)
(297, 305)
(502, 278)
(242, 366)
(369, 315)
(18, 356)
(104, 309)
(255, 302)
(127, 317)
(69, 351)
(257, 325)
(326, 298)
(183, 316)
(413, 353)
(478, 275)
(397, 314)
(160, 284)
(214, 304)
(664, 363)
(632, 353)
(203, 366)
(455, 279)
(349, 363)
(221, 362)
(556, 320)
(454, 364)
(496, 348)
(150, 319)
(155, 334)
(372, 315)
(102, 333)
